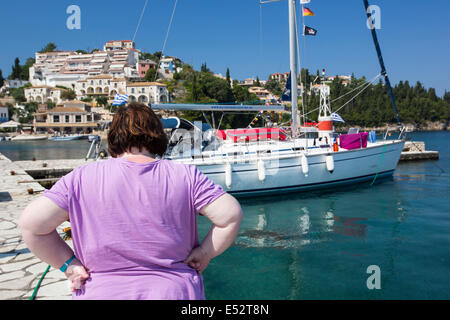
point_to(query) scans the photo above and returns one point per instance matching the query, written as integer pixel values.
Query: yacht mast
(380, 59)
(293, 64)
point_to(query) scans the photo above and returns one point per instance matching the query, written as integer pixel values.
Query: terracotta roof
(100, 76)
(40, 87)
(118, 79)
(75, 102)
(66, 110)
(63, 125)
(118, 41)
(145, 84)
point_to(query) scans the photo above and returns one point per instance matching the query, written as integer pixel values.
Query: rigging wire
(167, 36)
(261, 35)
(140, 20)
(366, 84)
(371, 81)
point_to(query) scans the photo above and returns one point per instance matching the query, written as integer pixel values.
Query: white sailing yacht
(251, 163)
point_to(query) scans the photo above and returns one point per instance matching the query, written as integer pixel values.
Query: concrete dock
(20, 270)
(415, 150)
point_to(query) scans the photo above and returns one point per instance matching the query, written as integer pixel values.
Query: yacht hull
(282, 174)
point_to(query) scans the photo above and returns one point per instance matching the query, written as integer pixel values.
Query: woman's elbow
(236, 213)
(37, 218)
(25, 223)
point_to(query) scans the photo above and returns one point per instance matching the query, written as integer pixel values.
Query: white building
(168, 65)
(147, 92)
(263, 94)
(8, 84)
(108, 86)
(101, 85)
(49, 63)
(66, 68)
(42, 94)
(4, 114)
(118, 45)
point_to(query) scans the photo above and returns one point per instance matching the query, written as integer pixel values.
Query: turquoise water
(45, 149)
(319, 245)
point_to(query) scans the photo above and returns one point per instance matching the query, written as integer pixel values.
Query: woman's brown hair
(136, 125)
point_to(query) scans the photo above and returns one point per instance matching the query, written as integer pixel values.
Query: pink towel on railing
(353, 141)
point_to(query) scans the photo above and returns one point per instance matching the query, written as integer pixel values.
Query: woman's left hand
(77, 274)
(198, 259)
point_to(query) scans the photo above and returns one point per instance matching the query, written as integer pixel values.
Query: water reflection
(294, 221)
(349, 226)
(302, 245)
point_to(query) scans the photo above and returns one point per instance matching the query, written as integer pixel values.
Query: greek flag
(120, 99)
(336, 117)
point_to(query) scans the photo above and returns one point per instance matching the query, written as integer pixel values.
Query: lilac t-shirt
(133, 224)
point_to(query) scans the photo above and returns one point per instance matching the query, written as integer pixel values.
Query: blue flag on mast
(287, 93)
(336, 117)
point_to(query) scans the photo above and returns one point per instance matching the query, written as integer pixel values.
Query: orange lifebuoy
(325, 125)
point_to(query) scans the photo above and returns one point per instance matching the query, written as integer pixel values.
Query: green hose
(33, 296)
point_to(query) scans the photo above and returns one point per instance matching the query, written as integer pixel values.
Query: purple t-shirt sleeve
(60, 191)
(204, 190)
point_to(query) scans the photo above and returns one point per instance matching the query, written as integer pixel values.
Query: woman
(133, 219)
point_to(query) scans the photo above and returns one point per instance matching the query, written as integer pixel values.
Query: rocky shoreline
(428, 126)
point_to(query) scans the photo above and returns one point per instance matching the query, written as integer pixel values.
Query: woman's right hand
(198, 259)
(77, 274)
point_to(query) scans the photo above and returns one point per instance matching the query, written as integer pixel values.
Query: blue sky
(414, 35)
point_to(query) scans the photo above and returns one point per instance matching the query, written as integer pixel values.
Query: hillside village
(73, 90)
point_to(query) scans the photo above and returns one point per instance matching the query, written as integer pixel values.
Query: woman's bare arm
(38, 223)
(226, 214)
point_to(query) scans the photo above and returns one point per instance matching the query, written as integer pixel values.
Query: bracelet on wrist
(66, 264)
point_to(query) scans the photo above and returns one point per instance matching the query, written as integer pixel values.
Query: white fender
(228, 178)
(330, 163)
(305, 167)
(261, 170)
